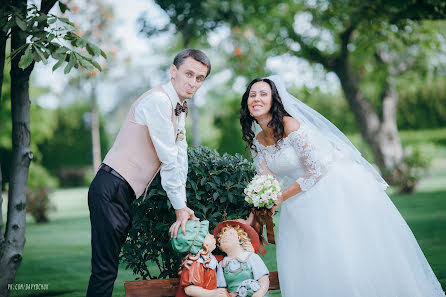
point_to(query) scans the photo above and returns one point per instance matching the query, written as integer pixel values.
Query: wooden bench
(169, 287)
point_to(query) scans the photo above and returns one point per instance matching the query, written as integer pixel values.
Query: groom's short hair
(195, 54)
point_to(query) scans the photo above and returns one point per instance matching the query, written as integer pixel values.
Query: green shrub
(415, 164)
(215, 192)
(40, 185)
(422, 104)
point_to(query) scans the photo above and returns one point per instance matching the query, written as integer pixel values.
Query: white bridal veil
(334, 143)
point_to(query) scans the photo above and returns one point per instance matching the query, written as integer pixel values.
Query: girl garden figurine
(242, 271)
(197, 272)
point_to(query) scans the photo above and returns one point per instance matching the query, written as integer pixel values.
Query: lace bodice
(293, 159)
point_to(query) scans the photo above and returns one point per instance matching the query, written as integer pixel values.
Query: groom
(151, 139)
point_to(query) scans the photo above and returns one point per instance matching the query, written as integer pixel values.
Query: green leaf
(90, 49)
(194, 185)
(66, 21)
(70, 64)
(62, 50)
(40, 53)
(83, 61)
(36, 56)
(80, 42)
(40, 34)
(95, 64)
(93, 49)
(52, 20)
(8, 25)
(56, 56)
(42, 17)
(230, 197)
(70, 36)
(59, 63)
(63, 7)
(26, 58)
(103, 54)
(20, 23)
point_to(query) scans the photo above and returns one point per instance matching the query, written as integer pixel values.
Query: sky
(143, 58)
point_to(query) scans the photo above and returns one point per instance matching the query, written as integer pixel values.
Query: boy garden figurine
(197, 272)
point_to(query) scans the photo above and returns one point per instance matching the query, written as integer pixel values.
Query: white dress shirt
(155, 112)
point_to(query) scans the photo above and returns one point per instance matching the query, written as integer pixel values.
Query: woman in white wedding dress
(339, 234)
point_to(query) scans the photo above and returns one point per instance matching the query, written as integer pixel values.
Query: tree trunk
(2, 238)
(95, 135)
(382, 136)
(2, 58)
(2, 66)
(11, 254)
(388, 138)
(195, 123)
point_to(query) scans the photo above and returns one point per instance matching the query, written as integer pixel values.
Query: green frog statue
(241, 271)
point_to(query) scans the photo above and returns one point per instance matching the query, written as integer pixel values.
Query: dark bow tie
(181, 108)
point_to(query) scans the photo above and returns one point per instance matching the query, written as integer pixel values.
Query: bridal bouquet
(263, 191)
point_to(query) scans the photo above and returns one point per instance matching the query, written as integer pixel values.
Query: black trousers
(109, 201)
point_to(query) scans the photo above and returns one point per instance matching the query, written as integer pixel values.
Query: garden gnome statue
(198, 268)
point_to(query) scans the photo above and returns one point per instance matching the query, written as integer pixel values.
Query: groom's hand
(183, 215)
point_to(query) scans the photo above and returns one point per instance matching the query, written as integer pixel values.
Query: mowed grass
(58, 253)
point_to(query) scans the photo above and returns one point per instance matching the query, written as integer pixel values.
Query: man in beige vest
(151, 139)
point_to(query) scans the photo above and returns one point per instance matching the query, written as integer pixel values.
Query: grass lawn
(58, 253)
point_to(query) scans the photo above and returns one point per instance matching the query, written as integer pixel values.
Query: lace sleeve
(306, 151)
(260, 163)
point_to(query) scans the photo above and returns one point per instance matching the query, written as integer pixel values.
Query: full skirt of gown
(345, 238)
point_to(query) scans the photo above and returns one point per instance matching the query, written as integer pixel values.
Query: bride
(339, 233)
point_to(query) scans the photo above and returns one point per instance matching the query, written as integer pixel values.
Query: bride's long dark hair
(277, 111)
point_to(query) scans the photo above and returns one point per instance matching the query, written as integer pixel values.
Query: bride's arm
(292, 190)
(260, 164)
(304, 147)
(262, 169)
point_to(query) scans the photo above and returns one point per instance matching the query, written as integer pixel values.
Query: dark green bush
(40, 185)
(215, 192)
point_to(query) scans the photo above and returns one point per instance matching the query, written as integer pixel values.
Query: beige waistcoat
(133, 155)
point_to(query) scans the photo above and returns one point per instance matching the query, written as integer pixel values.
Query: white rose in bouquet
(262, 191)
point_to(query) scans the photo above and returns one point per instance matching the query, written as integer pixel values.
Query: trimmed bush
(214, 191)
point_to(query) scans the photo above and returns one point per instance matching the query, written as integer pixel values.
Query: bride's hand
(274, 208)
(277, 204)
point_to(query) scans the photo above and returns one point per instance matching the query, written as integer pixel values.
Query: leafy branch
(50, 35)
